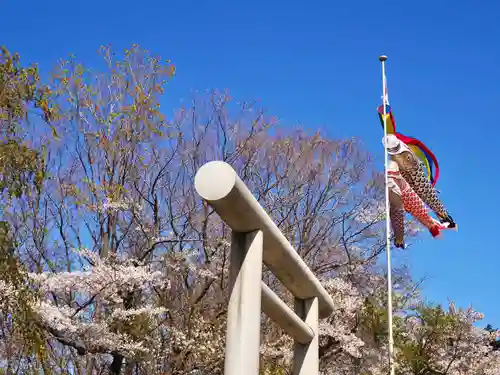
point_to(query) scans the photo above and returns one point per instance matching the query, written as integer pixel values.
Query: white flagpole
(383, 59)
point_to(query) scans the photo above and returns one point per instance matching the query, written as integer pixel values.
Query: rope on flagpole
(383, 59)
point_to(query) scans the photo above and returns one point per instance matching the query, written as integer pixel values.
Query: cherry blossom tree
(435, 341)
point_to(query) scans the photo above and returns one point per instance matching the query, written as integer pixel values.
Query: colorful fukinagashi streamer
(423, 153)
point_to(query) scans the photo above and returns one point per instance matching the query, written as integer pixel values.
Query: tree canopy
(111, 263)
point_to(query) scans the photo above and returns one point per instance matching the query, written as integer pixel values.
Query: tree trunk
(116, 366)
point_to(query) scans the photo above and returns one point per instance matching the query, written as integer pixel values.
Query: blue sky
(316, 63)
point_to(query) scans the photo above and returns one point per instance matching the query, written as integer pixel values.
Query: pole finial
(382, 58)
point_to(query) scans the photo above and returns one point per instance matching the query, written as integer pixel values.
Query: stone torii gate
(257, 239)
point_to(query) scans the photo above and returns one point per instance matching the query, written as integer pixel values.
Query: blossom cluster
(91, 308)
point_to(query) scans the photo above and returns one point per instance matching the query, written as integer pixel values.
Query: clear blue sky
(316, 62)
